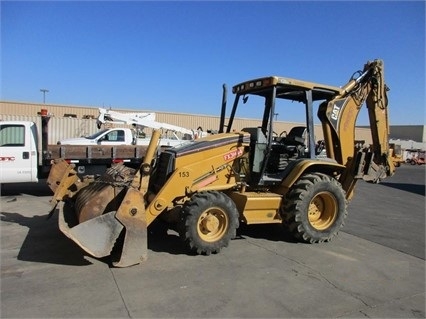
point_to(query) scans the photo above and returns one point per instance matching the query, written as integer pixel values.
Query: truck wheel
(315, 208)
(209, 221)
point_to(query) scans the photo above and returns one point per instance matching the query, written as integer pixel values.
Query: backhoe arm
(338, 117)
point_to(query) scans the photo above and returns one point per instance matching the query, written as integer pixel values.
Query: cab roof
(287, 88)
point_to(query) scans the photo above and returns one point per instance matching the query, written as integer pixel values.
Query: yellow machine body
(207, 187)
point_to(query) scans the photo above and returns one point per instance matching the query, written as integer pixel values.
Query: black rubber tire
(315, 208)
(209, 221)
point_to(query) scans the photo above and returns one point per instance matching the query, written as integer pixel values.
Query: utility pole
(44, 94)
(276, 116)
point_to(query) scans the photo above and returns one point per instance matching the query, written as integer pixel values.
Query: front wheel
(315, 208)
(209, 221)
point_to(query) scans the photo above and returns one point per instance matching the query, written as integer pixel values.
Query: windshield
(96, 135)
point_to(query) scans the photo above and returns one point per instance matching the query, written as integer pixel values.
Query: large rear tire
(209, 221)
(315, 208)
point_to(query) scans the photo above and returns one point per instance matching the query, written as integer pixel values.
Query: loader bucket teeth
(96, 236)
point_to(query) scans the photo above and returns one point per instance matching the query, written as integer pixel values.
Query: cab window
(12, 135)
(115, 136)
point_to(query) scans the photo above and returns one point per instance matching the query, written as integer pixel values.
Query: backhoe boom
(338, 117)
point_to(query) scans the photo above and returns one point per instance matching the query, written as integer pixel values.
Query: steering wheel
(283, 133)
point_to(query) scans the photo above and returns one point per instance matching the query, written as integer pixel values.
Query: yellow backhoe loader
(207, 187)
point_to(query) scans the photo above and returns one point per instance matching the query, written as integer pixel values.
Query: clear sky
(175, 56)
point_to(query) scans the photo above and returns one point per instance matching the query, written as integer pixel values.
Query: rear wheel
(315, 208)
(209, 221)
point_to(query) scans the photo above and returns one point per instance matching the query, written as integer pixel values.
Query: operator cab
(272, 157)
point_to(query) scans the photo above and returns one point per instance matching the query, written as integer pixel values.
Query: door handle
(25, 155)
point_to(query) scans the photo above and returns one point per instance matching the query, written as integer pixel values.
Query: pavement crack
(386, 304)
(312, 271)
(121, 294)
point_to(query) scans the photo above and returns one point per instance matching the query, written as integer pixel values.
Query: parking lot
(375, 268)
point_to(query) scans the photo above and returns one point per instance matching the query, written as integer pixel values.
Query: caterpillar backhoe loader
(206, 188)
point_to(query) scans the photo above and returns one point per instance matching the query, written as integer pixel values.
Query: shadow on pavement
(412, 188)
(163, 240)
(44, 241)
(33, 189)
(272, 232)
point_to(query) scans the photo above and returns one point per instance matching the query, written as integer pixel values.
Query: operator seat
(295, 137)
(295, 141)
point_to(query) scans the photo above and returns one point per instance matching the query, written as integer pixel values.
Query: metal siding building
(74, 121)
(409, 132)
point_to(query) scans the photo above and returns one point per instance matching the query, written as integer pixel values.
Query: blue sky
(175, 56)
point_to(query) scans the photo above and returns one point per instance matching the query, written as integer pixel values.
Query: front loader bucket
(96, 236)
(106, 216)
(100, 236)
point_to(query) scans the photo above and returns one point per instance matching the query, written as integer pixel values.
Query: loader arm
(338, 117)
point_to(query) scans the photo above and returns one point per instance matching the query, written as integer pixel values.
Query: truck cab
(18, 152)
(113, 136)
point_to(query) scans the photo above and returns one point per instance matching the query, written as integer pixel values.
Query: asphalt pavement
(375, 268)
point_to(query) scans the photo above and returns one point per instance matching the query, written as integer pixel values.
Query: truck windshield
(97, 134)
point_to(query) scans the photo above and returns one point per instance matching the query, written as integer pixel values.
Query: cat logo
(335, 112)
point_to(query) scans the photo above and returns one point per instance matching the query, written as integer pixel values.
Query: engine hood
(211, 141)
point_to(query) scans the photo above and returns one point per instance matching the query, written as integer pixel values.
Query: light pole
(44, 94)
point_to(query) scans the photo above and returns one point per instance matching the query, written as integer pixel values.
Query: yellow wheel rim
(212, 225)
(323, 210)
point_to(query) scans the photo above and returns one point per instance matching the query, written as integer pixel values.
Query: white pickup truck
(124, 136)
